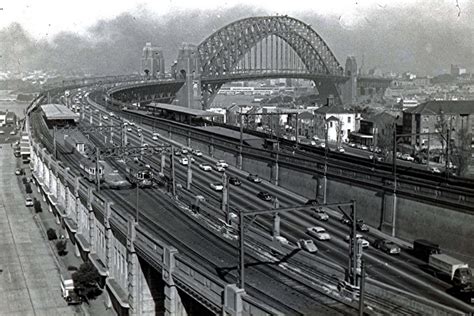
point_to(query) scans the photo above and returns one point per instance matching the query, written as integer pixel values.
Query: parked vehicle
(28, 201)
(197, 153)
(18, 171)
(282, 240)
(308, 245)
(219, 168)
(264, 195)
(68, 290)
(386, 246)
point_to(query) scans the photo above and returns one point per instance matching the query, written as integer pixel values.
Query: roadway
(401, 271)
(267, 282)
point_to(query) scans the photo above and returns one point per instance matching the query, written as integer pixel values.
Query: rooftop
(58, 112)
(450, 107)
(332, 110)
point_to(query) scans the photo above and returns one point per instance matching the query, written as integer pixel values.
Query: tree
(461, 151)
(86, 280)
(51, 234)
(37, 206)
(28, 188)
(61, 246)
(385, 140)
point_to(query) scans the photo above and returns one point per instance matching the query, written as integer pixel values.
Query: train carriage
(139, 174)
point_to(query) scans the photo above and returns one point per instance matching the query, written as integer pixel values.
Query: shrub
(24, 180)
(61, 246)
(72, 268)
(37, 206)
(86, 281)
(28, 188)
(52, 234)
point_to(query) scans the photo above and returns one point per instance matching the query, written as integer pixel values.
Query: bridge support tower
(187, 68)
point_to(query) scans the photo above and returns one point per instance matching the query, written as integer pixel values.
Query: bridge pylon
(188, 68)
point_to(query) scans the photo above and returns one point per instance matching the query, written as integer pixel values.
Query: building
(153, 62)
(7, 118)
(457, 70)
(340, 122)
(440, 121)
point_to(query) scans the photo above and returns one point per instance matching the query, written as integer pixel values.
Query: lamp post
(394, 156)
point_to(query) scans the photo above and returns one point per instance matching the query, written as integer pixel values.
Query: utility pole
(136, 204)
(241, 143)
(97, 167)
(325, 179)
(54, 143)
(173, 178)
(394, 149)
(362, 288)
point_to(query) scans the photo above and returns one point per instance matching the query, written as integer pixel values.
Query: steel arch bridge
(267, 47)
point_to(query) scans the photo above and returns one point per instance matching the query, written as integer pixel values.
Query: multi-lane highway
(402, 271)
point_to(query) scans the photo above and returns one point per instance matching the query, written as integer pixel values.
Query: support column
(211, 148)
(163, 163)
(189, 177)
(173, 305)
(225, 196)
(276, 172)
(132, 269)
(91, 219)
(233, 300)
(276, 219)
(109, 247)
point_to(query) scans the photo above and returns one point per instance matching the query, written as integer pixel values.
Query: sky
(45, 18)
(107, 37)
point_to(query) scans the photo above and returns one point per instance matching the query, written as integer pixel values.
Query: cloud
(424, 39)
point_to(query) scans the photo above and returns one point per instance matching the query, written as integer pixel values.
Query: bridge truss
(266, 47)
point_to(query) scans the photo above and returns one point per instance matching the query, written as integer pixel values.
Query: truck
(68, 290)
(456, 271)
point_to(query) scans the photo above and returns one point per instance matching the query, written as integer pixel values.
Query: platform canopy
(58, 112)
(183, 110)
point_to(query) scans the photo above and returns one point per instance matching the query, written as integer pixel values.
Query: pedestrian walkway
(29, 279)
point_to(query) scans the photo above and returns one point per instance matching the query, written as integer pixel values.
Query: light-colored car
(365, 242)
(197, 153)
(205, 167)
(319, 214)
(111, 114)
(184, 161)
(129, 129)
(222, 163)
(318, 233)
(308, 245)
(2, 132)
(282, 240)
(184, 151)
(217, 186)
(340, 149)
(18, 172)
(434, 169)
(407, 157)
(28, 201)
(154, 137)
(219, 168)
(12, 133)
(105, 117)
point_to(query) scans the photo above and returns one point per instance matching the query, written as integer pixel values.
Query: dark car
(312, 202)
(345, 220)
(264, 195)
(235, 181)
(254, 178)
(386, 246)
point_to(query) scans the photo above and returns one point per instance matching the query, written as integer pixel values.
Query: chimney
(330, 100)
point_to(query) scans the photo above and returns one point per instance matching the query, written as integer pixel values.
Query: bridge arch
(219, 55)
(221, 51)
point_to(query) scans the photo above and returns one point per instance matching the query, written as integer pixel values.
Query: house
(7, 118)
(338, 121)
